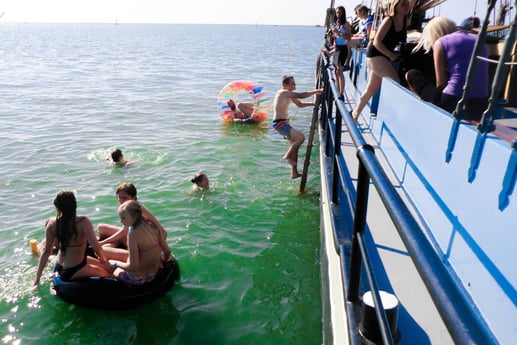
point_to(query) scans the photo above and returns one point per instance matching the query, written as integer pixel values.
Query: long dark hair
(341, 20)
(66, 207)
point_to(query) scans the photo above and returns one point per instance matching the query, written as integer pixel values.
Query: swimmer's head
(231, 104)
(117, 156)
(201, 181)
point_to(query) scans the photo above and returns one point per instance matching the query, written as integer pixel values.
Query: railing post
(361, 206)
(337, 153)
(329, 98)
(323, 82)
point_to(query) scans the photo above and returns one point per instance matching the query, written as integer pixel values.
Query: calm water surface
(248, 248)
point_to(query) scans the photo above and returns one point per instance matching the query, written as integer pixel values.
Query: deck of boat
(420, 204)
(419, 321)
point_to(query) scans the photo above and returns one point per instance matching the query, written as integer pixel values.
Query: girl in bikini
(71, 234)
(113, 238)
(146, 245)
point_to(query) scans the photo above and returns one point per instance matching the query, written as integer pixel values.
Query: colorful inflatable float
(261, 103)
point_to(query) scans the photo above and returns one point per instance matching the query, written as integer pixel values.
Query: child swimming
(200, 182)
(117, 159)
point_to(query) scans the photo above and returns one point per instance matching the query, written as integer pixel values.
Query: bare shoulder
(83, 222)
(282, 93)
(291, 94)
(51, 223)
(146, 213)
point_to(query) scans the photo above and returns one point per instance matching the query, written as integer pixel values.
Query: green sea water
(248, 248)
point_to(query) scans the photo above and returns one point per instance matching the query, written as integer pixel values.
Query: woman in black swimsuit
(71, 234)
(381, 51)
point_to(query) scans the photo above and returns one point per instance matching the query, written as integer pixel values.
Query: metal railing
(464, 323)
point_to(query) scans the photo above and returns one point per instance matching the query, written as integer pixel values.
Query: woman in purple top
(452, 50)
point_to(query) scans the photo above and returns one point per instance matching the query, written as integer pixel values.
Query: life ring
(261, 102)
(109, 293)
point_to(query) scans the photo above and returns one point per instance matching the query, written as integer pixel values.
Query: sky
(263, 12)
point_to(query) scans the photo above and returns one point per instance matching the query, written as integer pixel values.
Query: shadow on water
(285, 275)
(196, 313)
(258, 129)
(132, 326)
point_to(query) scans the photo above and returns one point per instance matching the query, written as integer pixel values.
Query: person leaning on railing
(452, 49)
(365, 26)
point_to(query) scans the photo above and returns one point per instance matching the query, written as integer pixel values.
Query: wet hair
(436, 28)
(66, 207)
(286, 79)
(127, 188)
(198, 178)
(116, 155)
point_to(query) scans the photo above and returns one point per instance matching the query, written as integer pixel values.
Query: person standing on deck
(381, 51)
(342, 32)
(365, 25)
(281, 123)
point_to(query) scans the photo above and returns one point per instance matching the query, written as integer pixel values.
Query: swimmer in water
(200, 182)
(117, 159)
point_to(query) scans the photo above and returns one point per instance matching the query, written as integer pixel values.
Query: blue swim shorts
(283, 127)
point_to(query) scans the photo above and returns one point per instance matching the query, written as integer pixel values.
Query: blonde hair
(132, 207)
(436, 28)
(392, 7)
